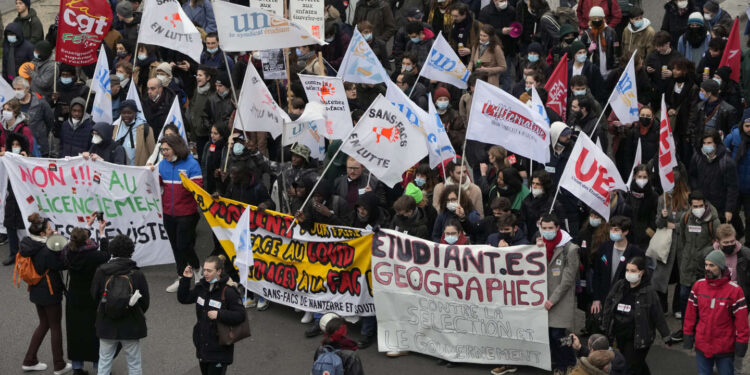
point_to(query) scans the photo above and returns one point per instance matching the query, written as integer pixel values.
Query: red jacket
(716, 314)
(613, 16)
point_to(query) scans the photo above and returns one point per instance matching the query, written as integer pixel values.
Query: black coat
(648, 314)
(723, 118)
(602, 264)
(80, 307)
(674, 22)
(156, 111)
(533, 208)
(133, 325)
(231, 312)
(643, 202)
(13, 218)
(416, 225)
(716, 178)
(23, 51)
(45, 261)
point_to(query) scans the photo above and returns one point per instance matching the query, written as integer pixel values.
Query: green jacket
(199, 124)
(695, 235)
(33, 31)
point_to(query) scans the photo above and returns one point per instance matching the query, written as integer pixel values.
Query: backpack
(710, 224)
(560, 16)
(328, 362)
(35, 151)
(115, 302)
(24, 270)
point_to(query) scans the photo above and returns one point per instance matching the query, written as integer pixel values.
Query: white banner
(444, 65)
(385, 142)
(537, 106)
(273, 64)
(330, 92)
(258, 112)
(499, 118)
(6, 93)
(590, 175)
(273, 6)
(101, 110)
(624, 98)
(305, 130)
(3, 191)
(243, 247)
(165, 24)
(175, 117)
(475, 304)
(310, 14)
(69, 191)
(667, 150)
(360, 65)
(133, 95)
(252, 29)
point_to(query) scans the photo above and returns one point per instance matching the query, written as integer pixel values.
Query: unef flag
(538, 107)
(175, 117)
(243, 245)
(329, 91)
(557, 88)
(624, 99)
(360, 65)
(385, 142)
(590, 176)
(6, 93)
(258, 112)
(732, 52)
(165, 24)
(101, 110)
(305, 130)
(444, 65)
(667, 150)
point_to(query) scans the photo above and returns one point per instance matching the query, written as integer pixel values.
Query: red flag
(557, 88)
(81, 28)
(667, 150)
(732, 52)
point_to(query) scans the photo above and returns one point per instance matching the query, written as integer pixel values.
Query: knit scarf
(597, 36)
(550, 245)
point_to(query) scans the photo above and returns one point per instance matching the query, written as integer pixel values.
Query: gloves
(740, 348)
(137, 295)
(689, 341)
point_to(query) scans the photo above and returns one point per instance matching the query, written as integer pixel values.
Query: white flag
(438, 143)
(310, 14)
(590, 176)
(133, 95)
(273, 6)
(258, 111)
(667, 150)
(330, 92)
(165, 24)
(305, 130)
(175, 116)
(636, 162)
(443, 64)
(385, 142)
(251, 29)
(538, 107)
(360, 65)
(101, 110)
(624, 99)
(243, 245)
(6, 93)
(499, 118)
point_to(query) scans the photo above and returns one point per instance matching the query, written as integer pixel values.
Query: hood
(555, 130)
(118, 266)
(32, 14)
(15, 28)
(104, 130)
(12, 136)
(31, 247)
(589, 368)
(369, 201)
(76, 259)
(646, 24)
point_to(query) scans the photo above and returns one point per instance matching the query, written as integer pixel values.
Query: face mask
(121, 77)
(728, 249)
(717, 81)
(702, 96)
(124, 82)
(680, 79)
(7, 115)
(537, 192)
(549, 235)
(532, 58)
(96, 139)
(162, 78)
(442, 105)
(66, 80)
(579, 92)
(501, 5)
(408, 68)
(215, 279)
(645, 121)
(597, 23)
(257, 56)
(581, 58)
(36, 55)
(19, 94)
(708, 16)
(74, 121)
(451, 206)
(329, 40)
(615, 236)
(212, 50)
(708, 149)
(633, 277)
(682, 4)
(15, 150)
(367, 36)
(12, 38)
(451, 239)
(569, 40)
(415, 40)
(122, 54)
(419, 181)
(698, 212)
(641, 182)
(595, 222)
(238, 148)
(637, 24)
(142, 56)
(298, 52)
(223, 93)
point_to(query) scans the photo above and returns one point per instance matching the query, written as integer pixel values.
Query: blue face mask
(595, 222)
(532, 58)
(717, 81)
(581, 58)
(702, 96)
(549, 235)
(12, 38)
(367, 37)
(329, 40)
(66, 80)
(212, 50)
(708, 149)
(238, 148)
(142, 56)
(214, 280)
(451, 239)
(579, 92)
(415, 40)
(637, 24)
(36, 55)
(441, 105)
(419, 181)
(615, 236)
(298, 52)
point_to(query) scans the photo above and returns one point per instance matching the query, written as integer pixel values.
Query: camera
(566, 341)
(100, 216)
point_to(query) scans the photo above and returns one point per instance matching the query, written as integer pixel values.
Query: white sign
(309, 14)
(273, 6)
(165, 24)
(101, 110)
(69, 191)
(360, 65)
(475, 304)
(444, 65)
(258, 112)
(273, 63)
(330, 92)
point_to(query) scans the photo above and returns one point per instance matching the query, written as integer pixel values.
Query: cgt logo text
(85, 23)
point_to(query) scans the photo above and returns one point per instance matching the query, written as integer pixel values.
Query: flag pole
(415, 83)
(461, 172)
(604, 109)
(54, 81)
(609, 100)
(236, 103)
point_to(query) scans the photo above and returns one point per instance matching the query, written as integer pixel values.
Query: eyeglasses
(165, 149)
(353, 168)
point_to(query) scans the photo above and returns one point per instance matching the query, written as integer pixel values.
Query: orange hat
(28, 66)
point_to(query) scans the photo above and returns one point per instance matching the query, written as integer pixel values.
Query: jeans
(636, 358)
(562, 356)
(50, 319)
(369, 326)
(684, 295)
(725, 365)
(107, 349)
(181, 233)
(14, 239)
(213, 368)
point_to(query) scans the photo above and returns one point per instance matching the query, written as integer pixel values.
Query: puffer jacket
(132, 326)
(694, 235)
(48, 264)
(737, 143)
(648, 316)
(716, 178)
(23, 51)
(177, 200)
(212, 297)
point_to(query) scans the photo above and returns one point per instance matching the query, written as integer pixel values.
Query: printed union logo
(390, 134)
(173, 18)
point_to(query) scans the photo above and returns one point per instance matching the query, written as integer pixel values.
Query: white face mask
(15, 150)
(501, 5)
(256, 55)
(7, 115)
(451, 206)
(682, 4)
(698, 212)
(632, 277)
(96, 139)
(451, 239)
(19, 94)
(163, 79)
(74, 121)
(641, 182)
(537, 192)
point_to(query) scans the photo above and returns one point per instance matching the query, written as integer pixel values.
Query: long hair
(465, 202)
(178, 146)
(494, 40)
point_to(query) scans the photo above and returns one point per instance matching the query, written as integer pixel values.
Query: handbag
(660, 245)
(230, 334)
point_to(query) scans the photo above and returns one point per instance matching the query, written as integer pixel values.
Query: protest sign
(476, 304)
(309, 14)
(68, 191)
(273, 64)
(667, 150)
(81, 28)
(273, 6)
(444, 65)
(360, 65)
(305, 130)
(165, 24)
(330, 92)
(101, 110)
(323, 269)
(258, 112)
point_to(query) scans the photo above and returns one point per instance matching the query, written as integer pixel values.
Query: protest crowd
(610, 155)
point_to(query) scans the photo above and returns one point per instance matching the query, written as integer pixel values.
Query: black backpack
(115, 302)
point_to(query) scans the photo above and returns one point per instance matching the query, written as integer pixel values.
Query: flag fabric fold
(165, 24)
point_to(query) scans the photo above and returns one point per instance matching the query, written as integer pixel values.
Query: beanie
(711, 86)
(575, 47)
(442, 92)
(717, 257)
(414, 192)
(536, 48)
(596, 12)
(695, 18)
(724, 72)
(44, 48)
(124, 9)
(27, 3)
(165, 67)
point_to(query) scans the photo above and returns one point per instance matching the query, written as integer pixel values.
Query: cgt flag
(81, 28)
(557, 88)
(258, 112)
(385, 142)
(101, 110)
(444, 65)
(360, 65)
(165, 24)
(624, 98)
(330, 92)
(590, 175)
(667, 150)
(732, 52)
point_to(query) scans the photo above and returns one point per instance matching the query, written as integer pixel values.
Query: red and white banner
(81, 28)
(732, 52)
(557, 88)
(590, 175)
(667, 150)
(499, 118)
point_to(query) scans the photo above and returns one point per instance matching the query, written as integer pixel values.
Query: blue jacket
(215, 61)
(177, 200)
(733, 142)
(202, 15)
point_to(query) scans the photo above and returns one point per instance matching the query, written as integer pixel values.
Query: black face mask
(597, 23)
(645, 121)
(728, 249)
(507, 237)
(680, 79)
(569, 40)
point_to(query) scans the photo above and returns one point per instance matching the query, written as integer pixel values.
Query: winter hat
(717, 257)
(695, 18)
(601, 358)
(711, 86)
(165, 67)
(724, 72)
(223, 78)
(596, 12)
(130, 103)
(414, 13)
(536, 48)
(575, 47)
(65, 68)
(114, 80)
(711, 6)
(566, 29)
(414, 192)
(124, 9)
(442, 92)
(27, 2)
(301, 151)
(44, 48)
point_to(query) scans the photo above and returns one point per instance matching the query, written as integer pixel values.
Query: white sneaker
(37, 367)
(173, 288)
(263, 305)
(678, 315)
(68, 368)
(307, 318)
(352, 319)
(249, 302)
(394, 354)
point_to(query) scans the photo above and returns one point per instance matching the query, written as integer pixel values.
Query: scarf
(597, 36)
(550, 245)
(465, 186)
(203, 89)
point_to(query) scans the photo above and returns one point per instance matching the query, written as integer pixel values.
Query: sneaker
(173, 288)
(394, 354)
(9, 261)
(263, 304)
(365, 342)
(37, 367)
(678, 315)
(68, 368)
(249, 302)
(307, 318)
(352, 319)
(313, 330)
(677, 336)
(3, 239)
(503, 370)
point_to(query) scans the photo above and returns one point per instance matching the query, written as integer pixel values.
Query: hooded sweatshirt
(640, 39)
(108, 149)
